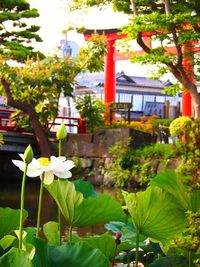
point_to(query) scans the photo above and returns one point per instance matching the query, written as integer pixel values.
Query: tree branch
(134, 8)
(27, 108)
(142, 44)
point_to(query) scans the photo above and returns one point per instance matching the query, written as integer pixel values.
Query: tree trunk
(195, 101)
(191, 87)
(39, 131)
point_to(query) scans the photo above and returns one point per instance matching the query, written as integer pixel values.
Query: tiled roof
(137, 81)
(94, 80)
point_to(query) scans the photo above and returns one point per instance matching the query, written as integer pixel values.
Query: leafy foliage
(40, 83)
(174, 28)
(70, 254)
(138, 165)
(155, 213)
(17, 35)
(9, 220)
(180, 126)
(1, 139)
(91, 111)
(14, 258)
(79, 211)
(33, 81)
(189, 150)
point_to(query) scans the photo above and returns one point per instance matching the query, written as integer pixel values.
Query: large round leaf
(172, 182)
(103, 208)
(155, 213)
(9, 220)
(51, 232)
(71, 254)
(106, 243)
(85, 188)
(173, 261)
(7, 241)
(83, 212)
(66, 197)
(15, 258)
(76, 255)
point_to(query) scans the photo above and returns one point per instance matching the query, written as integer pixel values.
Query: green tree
(16, 33)
(35, 87)
(91, 111)
(172, 23)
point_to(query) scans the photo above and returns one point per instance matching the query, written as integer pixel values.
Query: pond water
(10, 197)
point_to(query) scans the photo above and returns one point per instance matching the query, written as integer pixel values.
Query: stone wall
(94, 145)
(92, 150)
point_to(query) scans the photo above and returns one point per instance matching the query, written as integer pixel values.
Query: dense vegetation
(174, 27)
(158, 226)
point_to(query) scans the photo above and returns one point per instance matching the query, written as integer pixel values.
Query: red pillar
(186, 97)
(109, 85)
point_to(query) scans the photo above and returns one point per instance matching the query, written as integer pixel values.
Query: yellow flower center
(44, 161)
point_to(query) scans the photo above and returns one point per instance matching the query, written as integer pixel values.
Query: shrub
(91, 111)
(180, 126)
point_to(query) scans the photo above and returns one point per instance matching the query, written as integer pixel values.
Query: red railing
(68, 121)
(6, 123)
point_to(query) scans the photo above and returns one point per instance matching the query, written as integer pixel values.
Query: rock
(108, 163)
(108, 181)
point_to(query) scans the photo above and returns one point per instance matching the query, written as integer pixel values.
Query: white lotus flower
(58, 166)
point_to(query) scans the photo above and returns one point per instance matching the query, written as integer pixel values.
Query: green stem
(59, 212)
(60, 148)
(128, 260)
(113, 259)
(59, 225)
(70, 234)
(22, 206)
(137, 248)
(189, 259)
(39, 206)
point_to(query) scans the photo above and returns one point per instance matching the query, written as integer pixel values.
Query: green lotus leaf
(66, 197)
(172, 182)
(70, 254)
(9, 220)
(85, 188)
(128, 234)
(175, 261)
(51, 232)
(103, 208)
(195, 200)
(14, 258)
(105, 243)
(7, 241)
(155, 213)
(83, 212)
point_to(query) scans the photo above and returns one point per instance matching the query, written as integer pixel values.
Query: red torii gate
(112, 55)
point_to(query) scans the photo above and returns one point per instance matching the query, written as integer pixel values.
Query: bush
(180, 126)
(91, 111)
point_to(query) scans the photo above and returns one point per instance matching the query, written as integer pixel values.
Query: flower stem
(70, 233)
(22, 206)
(60, 148)
(59, 213)
(190, 258)
(39, 206)
(59, 225)
(137, 249)
(128, 260)
(113, 259)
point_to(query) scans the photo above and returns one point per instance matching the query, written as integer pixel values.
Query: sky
(54, 19)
